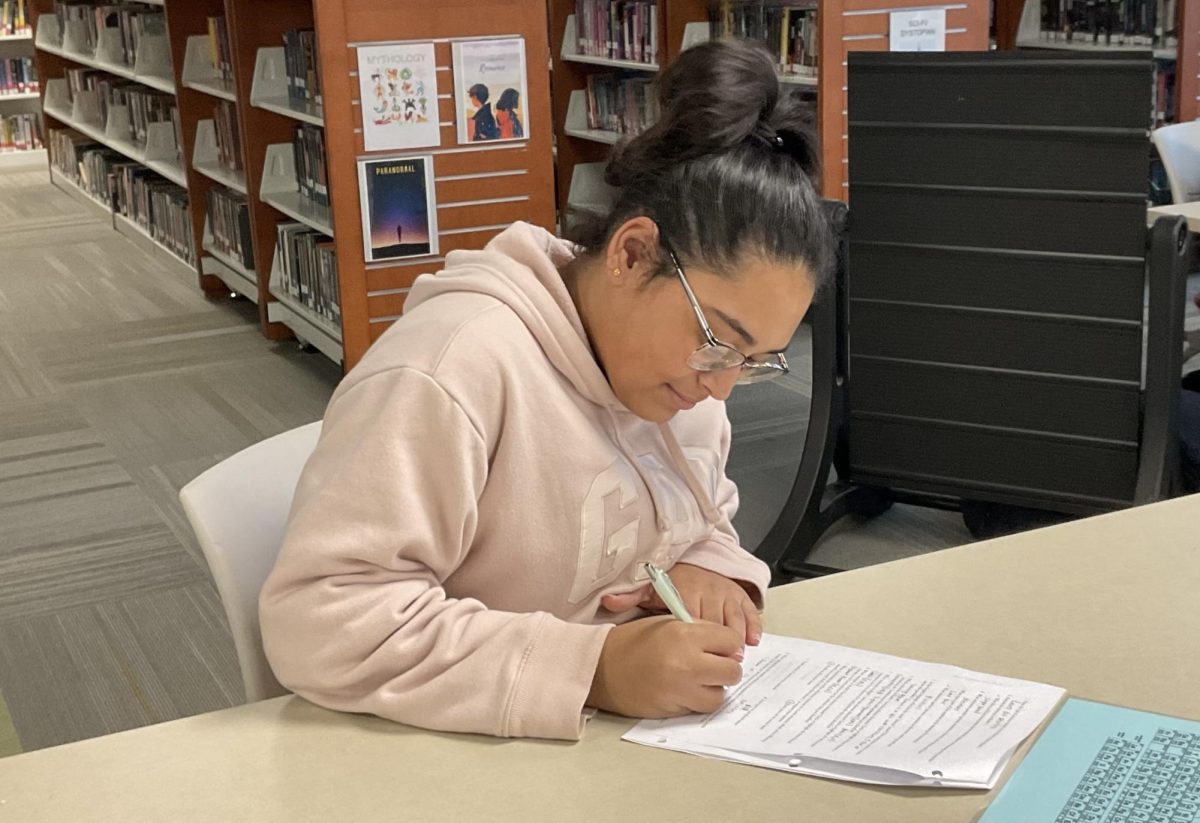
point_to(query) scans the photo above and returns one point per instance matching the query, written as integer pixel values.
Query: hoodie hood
(520, 268)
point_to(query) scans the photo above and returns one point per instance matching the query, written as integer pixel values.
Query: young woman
(508, 118)
(466, 547)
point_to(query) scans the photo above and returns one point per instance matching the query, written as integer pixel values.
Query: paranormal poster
(399, 211)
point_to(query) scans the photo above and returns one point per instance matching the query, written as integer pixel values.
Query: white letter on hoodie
(609, 529)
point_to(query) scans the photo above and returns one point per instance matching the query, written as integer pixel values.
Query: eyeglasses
(717, 356)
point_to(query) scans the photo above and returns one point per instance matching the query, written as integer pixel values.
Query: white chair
(1179, 148)
(238, 510)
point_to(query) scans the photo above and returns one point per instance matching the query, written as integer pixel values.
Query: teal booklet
(1097, 763)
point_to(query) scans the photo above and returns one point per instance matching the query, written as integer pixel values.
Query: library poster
(398, 91)
(490, 91)
(399, 210)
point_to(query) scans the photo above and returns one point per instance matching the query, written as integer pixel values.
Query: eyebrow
(741, 331)
(737, 327)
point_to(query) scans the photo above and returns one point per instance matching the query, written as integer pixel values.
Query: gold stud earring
(617, 272)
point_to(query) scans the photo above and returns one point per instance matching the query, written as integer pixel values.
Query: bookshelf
(1019, 25)
(479, 191)
(20, 142)
(64, 46)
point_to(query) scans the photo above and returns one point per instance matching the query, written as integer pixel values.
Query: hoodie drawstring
(707, 507)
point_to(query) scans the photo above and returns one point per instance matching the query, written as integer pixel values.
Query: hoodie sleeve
(354, 616)
(722, 551)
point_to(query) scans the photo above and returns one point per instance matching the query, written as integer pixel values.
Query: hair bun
(713, 98)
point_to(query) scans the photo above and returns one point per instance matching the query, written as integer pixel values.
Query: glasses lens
(761, 372)
(715, 358)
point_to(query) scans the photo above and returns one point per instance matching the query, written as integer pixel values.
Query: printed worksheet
(834, 711)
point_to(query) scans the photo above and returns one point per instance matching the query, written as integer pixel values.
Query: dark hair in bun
(727, 170)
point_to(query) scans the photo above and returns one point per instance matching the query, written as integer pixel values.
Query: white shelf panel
(269, 90)
(204, 159)
(280, 190)
(217, 89)
(143, 238)
(72, 188)
(24, 95)
(570, 51)
(152, 63)
(1028, 42)
(15, 38)
(281, 105)
(799, 79)
(595, 135)
(228, 260)
(199, 73)
(231, 277)
(159, 153)
(588, 190)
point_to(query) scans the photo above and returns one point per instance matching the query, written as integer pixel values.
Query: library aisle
(118, 384)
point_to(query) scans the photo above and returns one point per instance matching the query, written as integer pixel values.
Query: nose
(720, 383)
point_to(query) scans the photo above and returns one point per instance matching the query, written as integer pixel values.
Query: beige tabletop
(1107, 608)
(1189, 210)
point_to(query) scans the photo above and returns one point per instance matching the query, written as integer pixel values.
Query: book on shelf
(18, 75)
(308, 270)
(135, 25)
(312, 172)
(621, 104)
(67, 147)
(219, 49)
(788, 29)
(1128, 23)
(148, 106)
(20, 132)
(618, 29)
(229, 142)
(300, 61)
(157, 205)
(229, 223)
(13, 19)
(1164, 94)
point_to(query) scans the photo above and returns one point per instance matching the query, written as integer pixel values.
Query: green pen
(667, 592)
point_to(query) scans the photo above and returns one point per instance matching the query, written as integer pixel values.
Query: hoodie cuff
(555, 679)
(733, 562)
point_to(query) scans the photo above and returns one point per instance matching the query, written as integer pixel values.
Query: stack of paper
(832, 711)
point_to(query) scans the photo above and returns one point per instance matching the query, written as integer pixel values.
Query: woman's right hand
(663, 667)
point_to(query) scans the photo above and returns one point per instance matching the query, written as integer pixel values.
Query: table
(1189, 210)
(1106, 607)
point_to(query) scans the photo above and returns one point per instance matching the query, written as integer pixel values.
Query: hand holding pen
(666, 666)
(702, 594)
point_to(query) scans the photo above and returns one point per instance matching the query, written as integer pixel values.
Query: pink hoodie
(476, 490)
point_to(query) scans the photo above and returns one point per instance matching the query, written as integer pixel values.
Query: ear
(633, 250)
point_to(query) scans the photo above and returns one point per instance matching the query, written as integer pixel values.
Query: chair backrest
(1179, 148)
(238, 510)
(998, 274)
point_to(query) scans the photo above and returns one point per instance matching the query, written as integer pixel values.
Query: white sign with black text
(923, 30)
